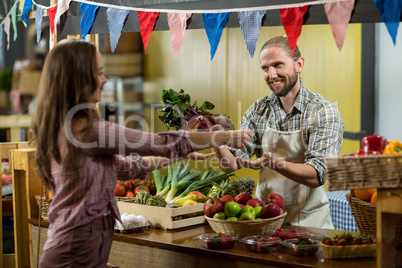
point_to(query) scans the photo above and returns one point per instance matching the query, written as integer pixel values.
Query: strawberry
(263, 239)
(223, 243)
(221, 235)
(212, 244)
(342, 242)
(329, 242)
(261, 248)
(358, 241)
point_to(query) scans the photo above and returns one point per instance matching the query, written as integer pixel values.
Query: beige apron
(305, 206)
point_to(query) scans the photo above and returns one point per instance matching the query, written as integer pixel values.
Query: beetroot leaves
(178, 110)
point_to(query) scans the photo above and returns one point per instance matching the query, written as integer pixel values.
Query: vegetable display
(178, 110)
(181, 180)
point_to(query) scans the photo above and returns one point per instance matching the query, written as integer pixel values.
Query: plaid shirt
(322, 128)
(79, 198)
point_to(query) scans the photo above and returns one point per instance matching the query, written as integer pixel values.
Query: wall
(389, 90)
(233, 81)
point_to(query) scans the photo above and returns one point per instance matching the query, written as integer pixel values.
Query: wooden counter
(158, 248)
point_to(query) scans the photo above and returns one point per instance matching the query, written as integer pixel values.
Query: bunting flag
(24, 13)
(52, 14)
(14, 21)
(7, 30)
(214, 24)
(292, 21)
(38, 22)
(177, 26)
(62, 6)
(390, 11)
(338, 15)
(88, 16)
(115, 22)
(250, 24)
(147, 21)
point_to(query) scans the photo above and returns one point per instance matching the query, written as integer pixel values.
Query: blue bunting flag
(115, 22)
(250, 24)
(214, 24)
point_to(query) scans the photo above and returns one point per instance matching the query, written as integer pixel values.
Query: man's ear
(299, 64)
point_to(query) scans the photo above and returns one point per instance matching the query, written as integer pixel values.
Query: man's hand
(266, 161)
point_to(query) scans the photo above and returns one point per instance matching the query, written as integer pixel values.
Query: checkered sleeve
(325, 135)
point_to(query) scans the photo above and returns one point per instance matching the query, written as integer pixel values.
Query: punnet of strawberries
(261, 244)
(218, 240)
(348, 239)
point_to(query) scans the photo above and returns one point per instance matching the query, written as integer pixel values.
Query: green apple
(257, 211)
(220, 216)
(232, 219)
(232, 209)
(247, 216)
(257, 219)
(247, 208)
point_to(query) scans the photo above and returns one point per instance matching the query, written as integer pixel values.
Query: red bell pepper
(374, 143)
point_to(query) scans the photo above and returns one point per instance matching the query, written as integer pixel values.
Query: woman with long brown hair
(78, 155)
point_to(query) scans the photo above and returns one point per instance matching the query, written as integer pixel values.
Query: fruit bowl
(247, 228)
(218, 241)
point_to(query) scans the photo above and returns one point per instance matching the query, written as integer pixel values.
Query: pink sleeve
(110, 138)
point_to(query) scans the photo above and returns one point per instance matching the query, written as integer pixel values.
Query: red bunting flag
(52, 13)
(292, 21)
(147, 22)
(339, 14)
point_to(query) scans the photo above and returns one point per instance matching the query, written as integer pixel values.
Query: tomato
(152, 187)
(140, 188)
(119, 190)
(133, 184)
(126, 184)
(130, 194)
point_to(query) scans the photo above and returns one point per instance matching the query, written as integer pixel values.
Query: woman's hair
(69, 78)
(282, 41)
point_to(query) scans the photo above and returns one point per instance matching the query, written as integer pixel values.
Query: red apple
(212, 206)
(227, 198)
(243, 198)
(271, 210)
(201, 198)
(254, 202)
(275, 198)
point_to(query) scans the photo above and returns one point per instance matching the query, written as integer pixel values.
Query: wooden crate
(14, 123)
(159, 217)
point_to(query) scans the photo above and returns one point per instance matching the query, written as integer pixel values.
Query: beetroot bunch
(179, 110)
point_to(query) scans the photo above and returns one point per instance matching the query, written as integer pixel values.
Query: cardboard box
(29, 81)
(159, 217)
(128, 42)
(123, 65)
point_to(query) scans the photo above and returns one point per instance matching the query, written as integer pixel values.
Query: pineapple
(224, 188)
(245, 184)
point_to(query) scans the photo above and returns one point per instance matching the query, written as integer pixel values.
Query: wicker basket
(45, 205)
(350, 172)
(366, 217)
(355, 251)
(247, 228)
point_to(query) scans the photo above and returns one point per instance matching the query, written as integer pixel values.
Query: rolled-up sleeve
(131, 167)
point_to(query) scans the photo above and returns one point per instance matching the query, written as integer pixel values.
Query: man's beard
(287, 86)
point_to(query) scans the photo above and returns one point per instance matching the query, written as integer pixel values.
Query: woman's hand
(199, 156)
(266, 161)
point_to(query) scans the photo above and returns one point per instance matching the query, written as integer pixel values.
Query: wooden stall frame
(8, 260)
(14, 124)
(26, 184)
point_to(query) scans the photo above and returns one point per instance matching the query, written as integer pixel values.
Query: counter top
(181, 240)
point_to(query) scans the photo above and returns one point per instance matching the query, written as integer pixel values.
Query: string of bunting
(338, 15)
